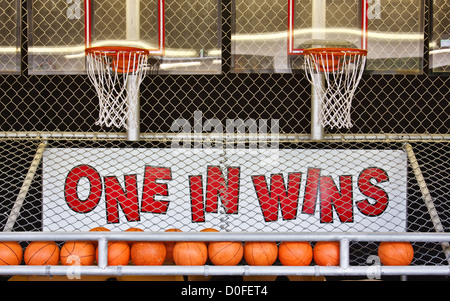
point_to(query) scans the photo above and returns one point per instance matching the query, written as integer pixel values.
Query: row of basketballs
(259, 253)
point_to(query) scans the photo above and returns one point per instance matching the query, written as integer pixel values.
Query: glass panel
(191, 32)
(395, 36)
(10, 33)
(193, 37)
(264, 39)
(259, 36)
(56, 37)
(440, 38)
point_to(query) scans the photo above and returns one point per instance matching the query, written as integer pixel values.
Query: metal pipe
(318, 25)
(344, 253)
(215, 136)
(133, 130)
(243, 270)
(227, 236)
(133, 34)
(102, 253)
(317, 131)
(15, 211)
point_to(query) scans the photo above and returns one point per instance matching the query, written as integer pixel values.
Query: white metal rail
(344, 269)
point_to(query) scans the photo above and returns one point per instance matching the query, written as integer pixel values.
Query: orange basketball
(94, 242)
(99, 229)
(118, 253)
(260, 252)
(133, 229)
(169, 246)
(209, 230)
(326, 253)
(396, 253)
(190, 253)
(41, 253)
(77, 253)
(11, 253)
(225, 252)
(295, 253)
(148, 253)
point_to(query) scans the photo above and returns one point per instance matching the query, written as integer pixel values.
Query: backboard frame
(290, 27)
(439, 41)
(159, 51)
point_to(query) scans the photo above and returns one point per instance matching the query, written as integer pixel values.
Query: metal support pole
(133, 130)
(317, 131)
(428, 199)
(102, 253)
(15, 211)
(344, 253)
(133, 34)
(318, 23)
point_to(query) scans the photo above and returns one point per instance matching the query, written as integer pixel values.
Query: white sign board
(241, 190)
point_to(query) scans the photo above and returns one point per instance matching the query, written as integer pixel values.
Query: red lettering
(228, 192)
(268, 205)
(196, 192)
(374, 192)
(71, 185)
(341, 200)
(152, 189)
(127, 199)
(279, 196)
(311, 190)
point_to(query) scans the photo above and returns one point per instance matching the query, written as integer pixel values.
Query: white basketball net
(335, 77)
(116, 78)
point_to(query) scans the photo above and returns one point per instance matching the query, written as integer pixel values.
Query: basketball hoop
(341, 69)
(116, 73)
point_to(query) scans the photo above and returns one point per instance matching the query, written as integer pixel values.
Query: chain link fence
(203, 131)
